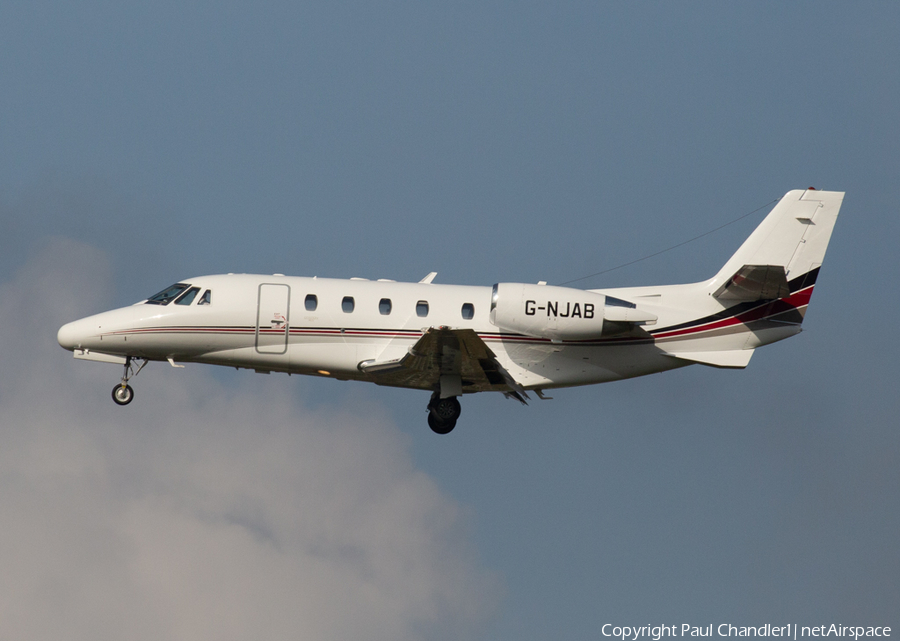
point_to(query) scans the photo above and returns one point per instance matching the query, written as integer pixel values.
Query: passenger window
(468, 311)
(384, 306)
(422, 308)
(188, 297)
(206, 299)
(311, 302)
(347, 304)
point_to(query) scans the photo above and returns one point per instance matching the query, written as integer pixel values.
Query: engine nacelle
(545, 311)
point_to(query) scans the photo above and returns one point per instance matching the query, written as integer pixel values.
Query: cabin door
(272, 322)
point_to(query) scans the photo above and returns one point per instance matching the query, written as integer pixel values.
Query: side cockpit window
(167, 295)
(206, 299)
(188, 297)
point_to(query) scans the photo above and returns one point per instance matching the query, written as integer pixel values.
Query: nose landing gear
(122, 393)
(443, 414)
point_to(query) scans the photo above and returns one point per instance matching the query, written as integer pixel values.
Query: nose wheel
(123, 394)
(443, 414)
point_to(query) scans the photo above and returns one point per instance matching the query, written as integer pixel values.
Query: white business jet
(452, 340)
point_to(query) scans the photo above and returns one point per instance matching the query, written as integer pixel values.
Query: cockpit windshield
(167, 295)
(182, 294)
(188, 297)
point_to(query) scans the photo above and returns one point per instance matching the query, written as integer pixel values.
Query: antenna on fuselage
(429, 278)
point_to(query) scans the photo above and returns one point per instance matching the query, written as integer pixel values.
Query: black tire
(446, 410)
(438, 426)
(122, 394)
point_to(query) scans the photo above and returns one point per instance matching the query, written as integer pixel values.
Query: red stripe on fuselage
(796, 300)
(772, 308)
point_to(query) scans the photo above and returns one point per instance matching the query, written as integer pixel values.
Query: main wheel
(446, 409)
(122, 394)
(438, 426)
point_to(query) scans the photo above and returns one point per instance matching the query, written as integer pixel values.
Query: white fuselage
(454, 340)
(242, 327)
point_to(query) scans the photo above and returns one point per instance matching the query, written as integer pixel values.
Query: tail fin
(782, 256)
(765, 287)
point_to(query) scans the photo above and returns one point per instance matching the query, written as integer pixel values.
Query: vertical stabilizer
(793, 237)
(764, 289)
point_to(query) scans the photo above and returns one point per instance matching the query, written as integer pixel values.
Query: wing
(449, 360)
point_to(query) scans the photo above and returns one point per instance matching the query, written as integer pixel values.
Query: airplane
(451, 340)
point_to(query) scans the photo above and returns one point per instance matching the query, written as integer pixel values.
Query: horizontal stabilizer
(755, 282)
(100, 357)
(735, 358)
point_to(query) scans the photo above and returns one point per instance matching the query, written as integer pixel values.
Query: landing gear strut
(122, 393)
(443, 413)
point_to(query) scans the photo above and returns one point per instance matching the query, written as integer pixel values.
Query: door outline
(273, 310)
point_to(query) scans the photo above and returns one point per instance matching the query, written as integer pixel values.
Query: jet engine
(545, 311)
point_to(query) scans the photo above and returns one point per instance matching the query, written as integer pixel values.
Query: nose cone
(102, 332)
(72, 335)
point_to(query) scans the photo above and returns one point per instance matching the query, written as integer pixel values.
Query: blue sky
(147, 143)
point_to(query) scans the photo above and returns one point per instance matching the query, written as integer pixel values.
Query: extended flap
(444, 352)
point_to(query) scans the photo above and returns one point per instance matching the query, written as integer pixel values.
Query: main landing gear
(122, 393)
(443, 413)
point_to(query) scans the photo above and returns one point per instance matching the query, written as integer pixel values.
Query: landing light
(323, 372)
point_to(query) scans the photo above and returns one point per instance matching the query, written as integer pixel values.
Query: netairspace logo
(791, 630)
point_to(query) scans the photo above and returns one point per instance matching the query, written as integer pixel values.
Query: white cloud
(202, 511)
